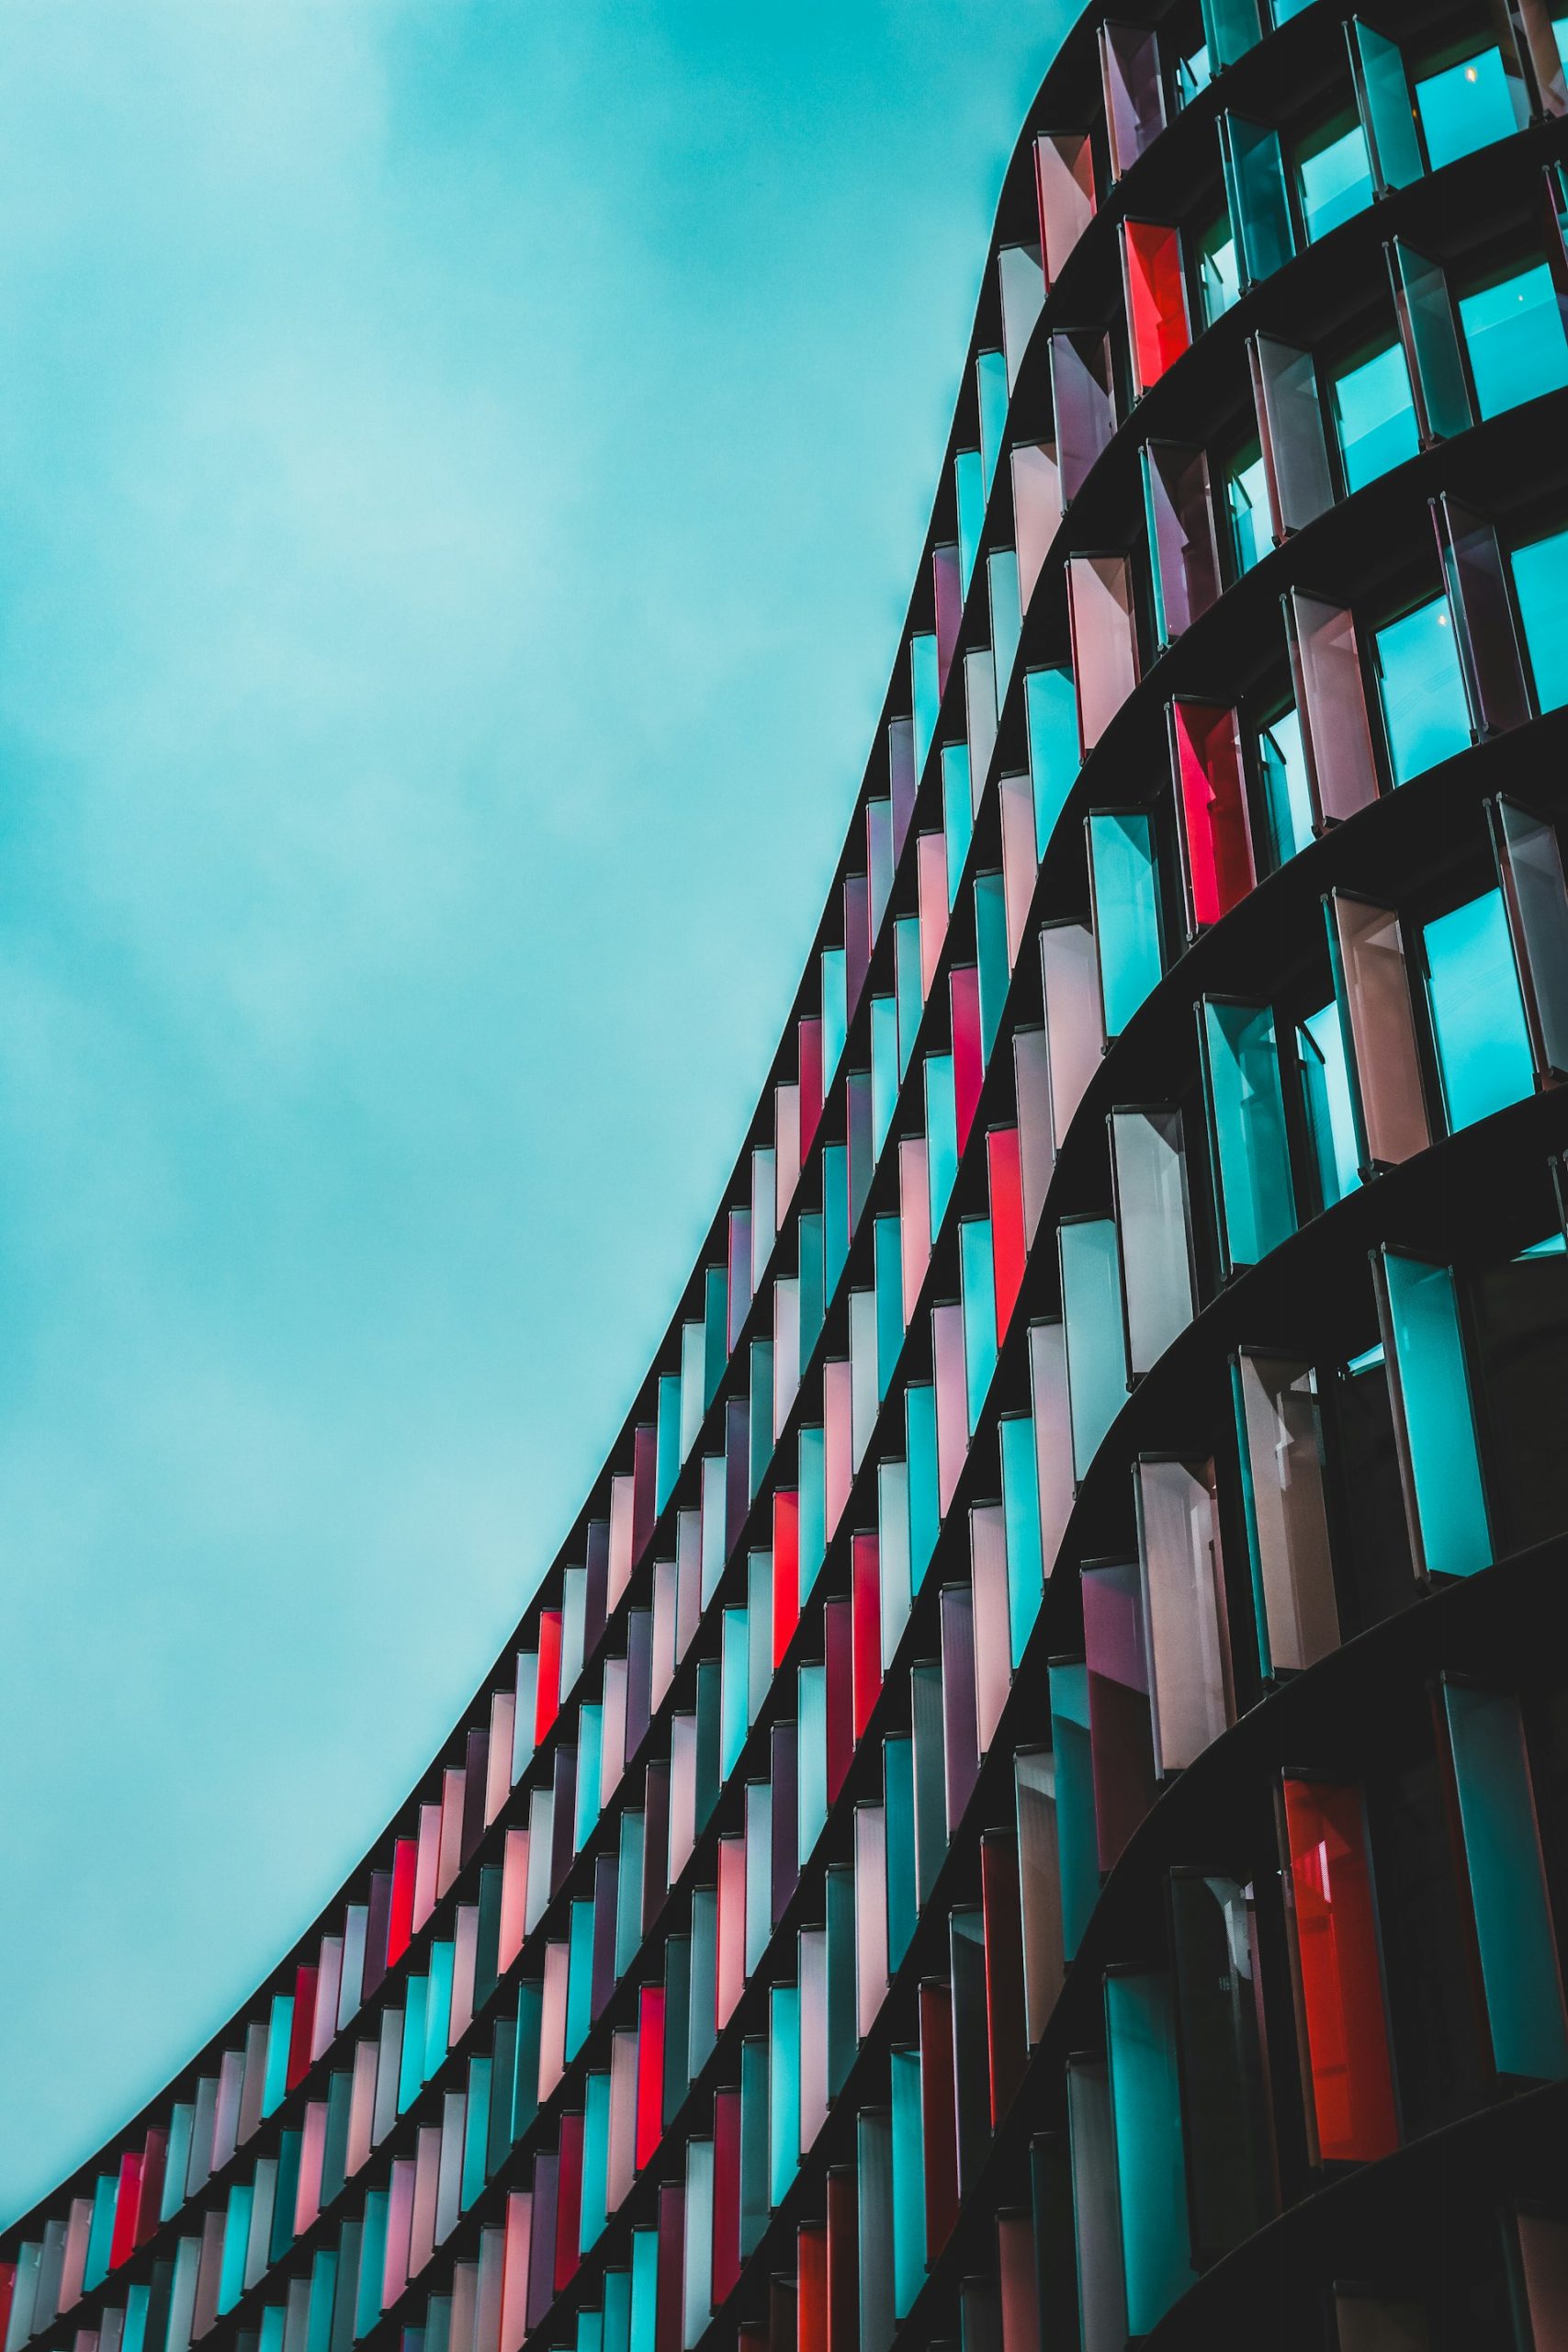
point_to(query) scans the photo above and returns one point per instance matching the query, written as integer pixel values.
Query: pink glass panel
(930, 853)
(1037, 510)
(1216, 849)
(914, 1220)
(1134, 94)
(1331, 697)
(1064, 183)
(1105, 640)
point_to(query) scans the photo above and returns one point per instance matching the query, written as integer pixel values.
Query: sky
(462, 468)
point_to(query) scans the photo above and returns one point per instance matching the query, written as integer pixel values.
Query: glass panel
(1230, 28)
(1152, 1231)
(1434, 1422)
(1075, 1800)
(1211, 800)
(1219, 270)
(1334, 175)
(1002, 583)
(1022, 288)
(927, 695)
(1378, 1027)
(1529, 861)
(1193, 75)
(1286, 791)
(1037, 510)
(1185, 1631)
(1486, 639)
(1478, 1015)
(1102, 2297)
(1373, 415)
(1074, 1034)
(1290, 434)
(1280, 1445)
(1083, 400)
(1464, 106)
(1092, 1312)
(991, 388)
(1050, 713)
(1543, 25)
(1124, 889)
(969, 492)
(1541, 584)
(1513, 332)
(1426, 715)
(1254, 1194)
(1063, 181)
(1104, 637)
(1254, 167)
(1382, 94)
(1140, 2040)
(1247, 503)
(1349, 2086)
(1134, 93)
(1336, 733)
(1122, 1749)
(1155, 285)
(1223, 2097)
(1184, 553)
(1507, 1882)
(1425, 310)
(1326, 1094)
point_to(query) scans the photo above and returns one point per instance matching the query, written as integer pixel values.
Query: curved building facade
(1032, 1810)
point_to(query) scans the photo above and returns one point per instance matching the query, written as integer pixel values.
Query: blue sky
(461, 470)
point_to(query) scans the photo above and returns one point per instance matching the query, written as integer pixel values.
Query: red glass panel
(569, 2200)
(649, 2072)
(948, 591)
(1008, 1248)
(939, 2117)
(399, 1918)
(1064, 183)
(1158, 328)
(810, 1081)
(786, 1570)
(1345, 2032)
(7, 2288)
(127, 2198)
(725, 2193)
(547, 1694)
(837, 1641)
(304, 2019)
(811, 2292)
(866, 1595)
(968, 1064)
(1211, 797)
(151, 2197)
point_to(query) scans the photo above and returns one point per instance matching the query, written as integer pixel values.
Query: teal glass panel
(697, 2265)
(1078, 1848)
(236, 2236)
(1194, 74)
(1287, 796)
(579, 1976)
(1478, 1014)
(692, 1350)
(1140, 2040)
(1383, 93)
(926, 698)
(810, 1482)
(286, 2195)
(942, 1135)
(835, 1215)
(628, 1879)
(1092, 1314)
(1255, 190)
(1426, 1358)
(270, 2332)
(925, 1505)
(813, 1293)
(1426, 717)
(907, 987)
(595, 2160)
(759, 1430)
(991, 957)
(476, 2128)
(133, 2335)
(1247, 506)
(437, 2007)
(908, 2180)
(835, 1012)
(525, 2082)
(1006, 615)
(1513, 332)
(323, 2291)
(735, 1683)
(1513, 1914)
(1230, 28)
(645, 2290)
(276, 2077)
(410, 2062)
(1540, 583)
(883, 1069)
(888, 1275)
(716, 1332)
(1051, 712)
(957, 813)
(1020, 1517)
(1219, 271)
(667, 1454)
(1246, 1128)
(372, 2262)
(617, 2315)
(1330, 1115)
(970, 483)
(811, 1761)
(991, 383)
(899, 1813)
(1463, 107)
(100, 2234)
(1334, 178)
(1375, 415)
(1126, 889)
(978, 1293)
(784, 2090)
(589, 1743)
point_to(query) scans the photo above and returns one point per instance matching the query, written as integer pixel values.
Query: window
(1512, 331)
(1375, 415)
(1247, 498)
(1425, 717)
(1540, 584)
(1192, 75)
(1334, 175)
(1219, 277)
(1287, 798)
(1478, 1015)
(1464, 105)
(1325, 1092)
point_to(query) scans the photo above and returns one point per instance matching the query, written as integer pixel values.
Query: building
(1032, 1809)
